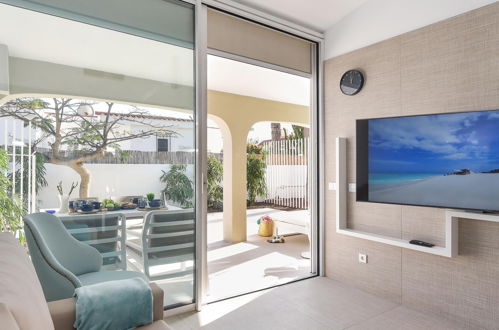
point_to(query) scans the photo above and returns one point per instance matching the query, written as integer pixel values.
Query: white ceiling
(47, 38)
(240, 78)
(42, 37)
(316, 14)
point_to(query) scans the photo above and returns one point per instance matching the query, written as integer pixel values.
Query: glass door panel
(102, 99)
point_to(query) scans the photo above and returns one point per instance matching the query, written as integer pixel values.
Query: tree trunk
(85, 178)
(275, 131)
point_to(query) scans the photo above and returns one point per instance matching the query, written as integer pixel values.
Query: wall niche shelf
(341, 186)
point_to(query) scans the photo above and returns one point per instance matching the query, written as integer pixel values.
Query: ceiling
(245, 79)
(315, 14)
(42, 37)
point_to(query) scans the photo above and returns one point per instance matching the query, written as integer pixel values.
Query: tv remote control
(421, 243)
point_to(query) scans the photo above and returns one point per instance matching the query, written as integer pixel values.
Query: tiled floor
(317, 303)
(234, 268)
(255, 264)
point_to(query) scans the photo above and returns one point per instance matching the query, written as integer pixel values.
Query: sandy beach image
(445, 160)
(472, 191)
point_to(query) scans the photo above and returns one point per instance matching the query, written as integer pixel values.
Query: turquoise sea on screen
(397, 178)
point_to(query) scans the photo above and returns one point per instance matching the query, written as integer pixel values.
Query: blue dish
(155, 203)
(87, 208)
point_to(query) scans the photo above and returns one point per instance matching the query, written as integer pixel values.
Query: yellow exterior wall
(235, 115)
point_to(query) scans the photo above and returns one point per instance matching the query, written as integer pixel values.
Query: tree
(77, 136)
(298, 132)
(256, 184)
(215, 176)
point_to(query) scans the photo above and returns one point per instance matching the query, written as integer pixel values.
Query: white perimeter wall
(377, 20)
(107, 180)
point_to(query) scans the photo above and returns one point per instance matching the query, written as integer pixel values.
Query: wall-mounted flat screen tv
(442, 160)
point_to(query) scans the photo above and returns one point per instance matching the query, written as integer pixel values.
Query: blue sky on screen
(435, 144)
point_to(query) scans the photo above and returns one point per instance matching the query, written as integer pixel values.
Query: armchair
(22, 305)
(63, 263)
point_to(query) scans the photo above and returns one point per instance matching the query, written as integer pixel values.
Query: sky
(260, 131)
(435, 144)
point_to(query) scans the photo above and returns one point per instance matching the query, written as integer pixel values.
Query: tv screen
(444, 160)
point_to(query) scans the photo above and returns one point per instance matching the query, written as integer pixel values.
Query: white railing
(17, 143)
(287, 172)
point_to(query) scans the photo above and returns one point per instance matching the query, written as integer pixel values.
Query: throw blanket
(114, 305)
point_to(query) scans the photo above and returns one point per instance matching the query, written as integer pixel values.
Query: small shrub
(178, 187)
(215, 189)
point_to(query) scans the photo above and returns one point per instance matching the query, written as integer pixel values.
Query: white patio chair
(104, 231)
(167, 243)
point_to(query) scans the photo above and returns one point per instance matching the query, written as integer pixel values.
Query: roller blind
(241, 37)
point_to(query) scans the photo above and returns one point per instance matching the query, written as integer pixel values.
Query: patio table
(128, 214)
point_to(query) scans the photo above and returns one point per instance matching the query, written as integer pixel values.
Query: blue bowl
(87, 208)
(155, 203)
(96, 205)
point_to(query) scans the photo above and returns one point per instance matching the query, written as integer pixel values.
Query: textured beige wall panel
(449, 66)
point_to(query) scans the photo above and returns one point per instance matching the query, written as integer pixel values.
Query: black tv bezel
(362, 154)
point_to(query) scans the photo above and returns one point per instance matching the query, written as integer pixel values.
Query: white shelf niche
(450, 249)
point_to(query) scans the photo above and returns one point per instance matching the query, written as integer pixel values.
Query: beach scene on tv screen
(447, 160)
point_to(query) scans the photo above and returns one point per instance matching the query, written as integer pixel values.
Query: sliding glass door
(100, 129)
(262, 220)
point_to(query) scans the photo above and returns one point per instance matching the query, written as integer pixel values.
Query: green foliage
(11, 210)
(298, 133)
(124, 156)
(252, 148)
(256, 184)
(215, 189)
(150, 196)
(178, 187)
(40, 172)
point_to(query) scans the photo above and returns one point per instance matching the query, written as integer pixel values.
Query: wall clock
(351, 82)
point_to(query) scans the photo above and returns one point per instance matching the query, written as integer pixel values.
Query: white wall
(377, 20)
(107, 180)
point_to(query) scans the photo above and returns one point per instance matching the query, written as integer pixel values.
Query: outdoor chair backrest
(106, 232)
(168, 237)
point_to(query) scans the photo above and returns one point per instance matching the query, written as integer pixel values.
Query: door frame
(316, 173)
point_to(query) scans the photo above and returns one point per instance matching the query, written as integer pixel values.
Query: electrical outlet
(362, 258)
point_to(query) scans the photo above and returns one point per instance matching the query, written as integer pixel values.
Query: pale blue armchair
(63, 263)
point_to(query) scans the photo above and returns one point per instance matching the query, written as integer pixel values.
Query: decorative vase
(63, 204)
(266, 228)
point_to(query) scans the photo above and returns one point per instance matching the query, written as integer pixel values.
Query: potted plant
(178, 187)
(265, 226)
(64, 199)
(150, 196)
